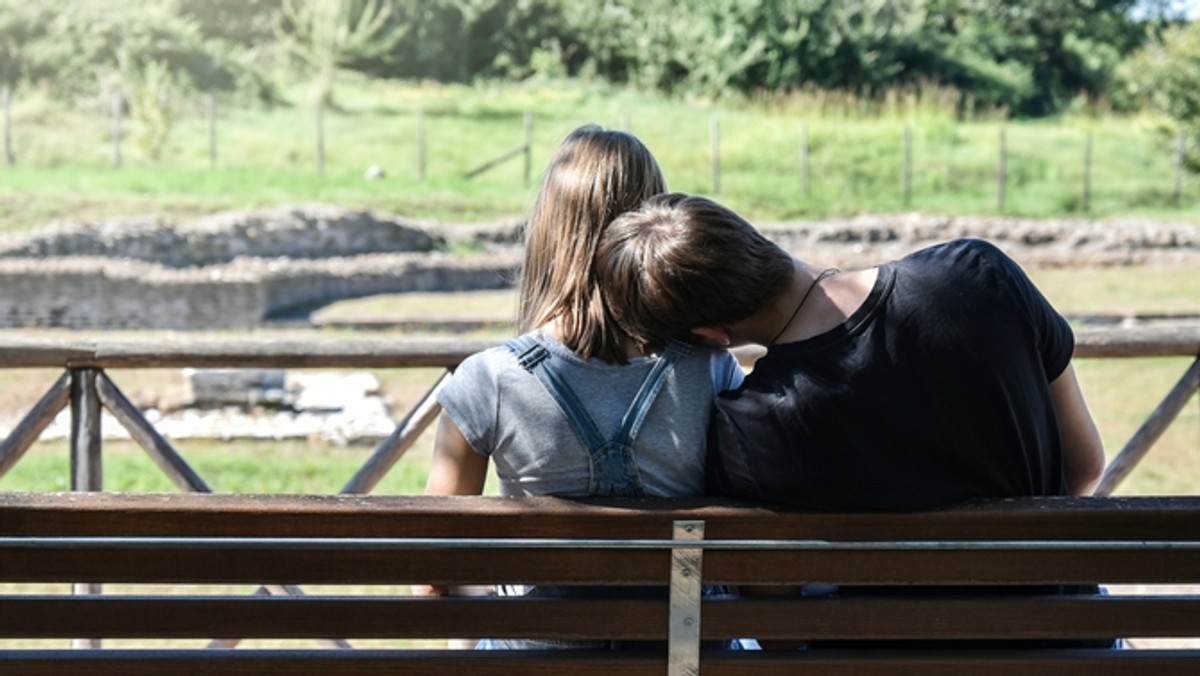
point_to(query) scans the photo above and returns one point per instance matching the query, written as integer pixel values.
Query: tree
(1166, 75)
(328, 34)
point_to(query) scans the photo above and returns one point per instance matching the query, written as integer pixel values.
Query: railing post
(86, 467)
(683, 651)
(1153, 428)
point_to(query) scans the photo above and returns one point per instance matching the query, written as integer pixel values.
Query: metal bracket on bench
(683, 657)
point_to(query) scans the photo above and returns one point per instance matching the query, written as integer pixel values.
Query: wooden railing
(86, 388)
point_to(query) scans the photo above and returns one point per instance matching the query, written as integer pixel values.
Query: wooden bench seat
(357, 542)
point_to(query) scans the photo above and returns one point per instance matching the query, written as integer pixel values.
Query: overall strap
(532, 355)
(631, 424)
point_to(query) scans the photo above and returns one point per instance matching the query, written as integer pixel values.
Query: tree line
(1022, 57)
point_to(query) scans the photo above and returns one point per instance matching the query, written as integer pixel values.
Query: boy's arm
(1083, 452)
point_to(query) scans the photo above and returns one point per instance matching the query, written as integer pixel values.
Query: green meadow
(805, 155)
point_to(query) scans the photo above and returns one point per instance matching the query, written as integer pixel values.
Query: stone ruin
(233, 270)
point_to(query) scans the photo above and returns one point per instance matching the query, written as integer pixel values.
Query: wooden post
(1087, 173)
(1177, 195)
(389, 451)
(420, 144)
(1150, 431)
(34, 423)
(211, 111)
(116, 133)
(714, 138)
(1002, 173)
(528, 148)
(907, 167)
(86, 471)
(140, 429)
(805, 162)
(6, 97)
(320, 138)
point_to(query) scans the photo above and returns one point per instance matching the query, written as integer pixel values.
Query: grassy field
(856, 156)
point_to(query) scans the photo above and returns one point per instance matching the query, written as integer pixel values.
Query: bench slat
(330, 617)
(331, 663)
(385, 564)
(128, 514)
(596, 663)
(1037, 617)
(969, 617)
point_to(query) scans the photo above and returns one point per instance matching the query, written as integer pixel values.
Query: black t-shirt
(935, 391)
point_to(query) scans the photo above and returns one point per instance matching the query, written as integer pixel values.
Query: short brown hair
(595, 176)
(679, 262)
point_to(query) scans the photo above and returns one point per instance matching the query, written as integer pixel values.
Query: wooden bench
(122, 539)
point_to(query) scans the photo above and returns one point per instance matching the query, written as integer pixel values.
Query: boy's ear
(716, 336)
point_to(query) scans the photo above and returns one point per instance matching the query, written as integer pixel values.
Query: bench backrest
(359, 541)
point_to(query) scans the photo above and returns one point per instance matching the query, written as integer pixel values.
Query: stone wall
(100, 293)
(227, 271)
(295, 232)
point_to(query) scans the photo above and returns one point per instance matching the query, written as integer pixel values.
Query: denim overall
(613, 470)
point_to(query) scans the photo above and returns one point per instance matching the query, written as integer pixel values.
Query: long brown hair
(595, 176)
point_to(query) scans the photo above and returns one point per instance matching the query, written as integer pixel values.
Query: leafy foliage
(326, 35)
(1030, 57)
(1167, 75)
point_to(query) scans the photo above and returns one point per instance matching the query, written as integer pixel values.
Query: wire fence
(910, 163)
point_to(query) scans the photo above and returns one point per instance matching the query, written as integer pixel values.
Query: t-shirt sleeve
(727, 373)
(1055, 339)
(471, 399)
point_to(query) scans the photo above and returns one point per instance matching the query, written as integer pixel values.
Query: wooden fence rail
(86, 388)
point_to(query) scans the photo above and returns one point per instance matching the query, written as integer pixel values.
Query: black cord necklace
(824, 273)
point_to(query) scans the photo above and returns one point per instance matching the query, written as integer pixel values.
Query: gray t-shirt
(505, 413)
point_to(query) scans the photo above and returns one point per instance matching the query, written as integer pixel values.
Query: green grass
(299, 467)
(1120, 290)
(267, 156)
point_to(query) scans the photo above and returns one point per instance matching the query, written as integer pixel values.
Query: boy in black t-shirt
(927, 381)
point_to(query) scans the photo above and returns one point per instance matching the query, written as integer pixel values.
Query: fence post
(805, 166)
(6, 95)
(116, 134)
(1180, 149)
(1087, 173)
(1001, 173)
(420, 144)
(907, 167)
(714, 138)
(528, 147)
(211, 110)
(86, 471)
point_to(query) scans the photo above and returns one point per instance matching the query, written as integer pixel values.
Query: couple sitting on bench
(923, 382)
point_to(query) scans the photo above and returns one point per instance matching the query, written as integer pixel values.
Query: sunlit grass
(268, 156)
